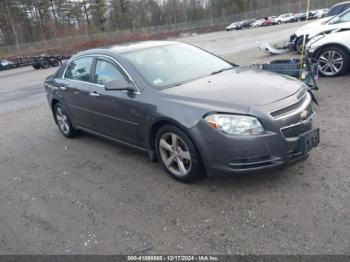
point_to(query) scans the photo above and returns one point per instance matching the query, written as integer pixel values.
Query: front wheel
(45, 64)
(178, 154)
(299, 44)
(333, 61)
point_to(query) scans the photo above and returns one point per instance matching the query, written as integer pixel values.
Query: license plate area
(309, 140)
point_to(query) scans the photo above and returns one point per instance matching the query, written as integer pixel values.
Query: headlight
(235, 124)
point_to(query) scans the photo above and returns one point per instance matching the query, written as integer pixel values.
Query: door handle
(94, 94)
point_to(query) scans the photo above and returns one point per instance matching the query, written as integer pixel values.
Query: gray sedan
(194, 112)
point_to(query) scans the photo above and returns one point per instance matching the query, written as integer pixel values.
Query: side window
(79, 69)
(106, 71)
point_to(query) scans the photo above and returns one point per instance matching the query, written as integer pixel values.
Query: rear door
(76, 87)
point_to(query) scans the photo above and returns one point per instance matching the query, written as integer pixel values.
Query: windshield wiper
(221, 70)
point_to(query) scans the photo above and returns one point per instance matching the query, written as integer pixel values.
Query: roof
(124, 48)
(129, 47)
(342, 3)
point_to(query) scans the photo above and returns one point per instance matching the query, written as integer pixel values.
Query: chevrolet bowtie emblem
(304, 114)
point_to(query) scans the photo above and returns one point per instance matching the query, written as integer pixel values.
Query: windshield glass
(343, 18)
(338, 9)
(174, 64)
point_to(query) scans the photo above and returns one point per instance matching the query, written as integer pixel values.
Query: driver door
(117, 113)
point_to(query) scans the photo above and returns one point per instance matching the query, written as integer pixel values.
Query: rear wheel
(333, 61)
(63, 121)
(178, 154)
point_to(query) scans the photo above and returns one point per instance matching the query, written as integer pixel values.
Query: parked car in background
(5, 64)
(315, 28)
(233, 26)
(285, 18)
(192, 111)
(300, 17)
(258, 23)
(246, 23)
(332, 52)
(269, 20)
(321, 13)
(312, 15)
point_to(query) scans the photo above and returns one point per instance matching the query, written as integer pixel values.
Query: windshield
(174, 64)
(338, 9)
(343, 18)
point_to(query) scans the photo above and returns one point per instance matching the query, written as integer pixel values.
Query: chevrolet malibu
(192, 111)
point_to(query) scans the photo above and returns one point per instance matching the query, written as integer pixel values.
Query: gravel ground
(89, 196)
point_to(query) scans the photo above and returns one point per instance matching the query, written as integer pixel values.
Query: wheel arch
(54, 101)
(156, 126)
(159, 124)
(323, 47)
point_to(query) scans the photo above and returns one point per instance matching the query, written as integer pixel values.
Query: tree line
(24, 21)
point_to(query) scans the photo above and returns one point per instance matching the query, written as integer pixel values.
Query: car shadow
(224, 180)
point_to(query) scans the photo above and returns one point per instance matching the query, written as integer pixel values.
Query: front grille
(297, 117)
(304, 103)
(286, 110)
(304, 124)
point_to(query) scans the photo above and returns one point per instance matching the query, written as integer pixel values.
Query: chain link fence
(159, 32)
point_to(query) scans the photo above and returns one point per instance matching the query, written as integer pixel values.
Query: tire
(63, 121)
(279, 22)
(45, 64)
(333, 61)
(299, 44)
(55, 63)
(179, 158)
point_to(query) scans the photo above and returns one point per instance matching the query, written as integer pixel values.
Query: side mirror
(120, 84)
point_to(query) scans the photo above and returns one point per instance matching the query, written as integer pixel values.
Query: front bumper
(225, 154)
(222, 154)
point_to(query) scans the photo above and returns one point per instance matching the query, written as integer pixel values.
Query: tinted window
(106, 71)
(79, 69)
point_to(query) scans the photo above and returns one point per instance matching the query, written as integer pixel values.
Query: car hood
(241, 86)
(339, 37)
(316, 26)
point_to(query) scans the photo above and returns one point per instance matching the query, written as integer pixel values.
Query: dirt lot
(89, 196)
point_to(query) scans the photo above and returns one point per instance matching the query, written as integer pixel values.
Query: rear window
(79, 69)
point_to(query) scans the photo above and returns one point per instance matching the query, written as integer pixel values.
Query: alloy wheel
(330, 63)
(175, 154)
(62, 120)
